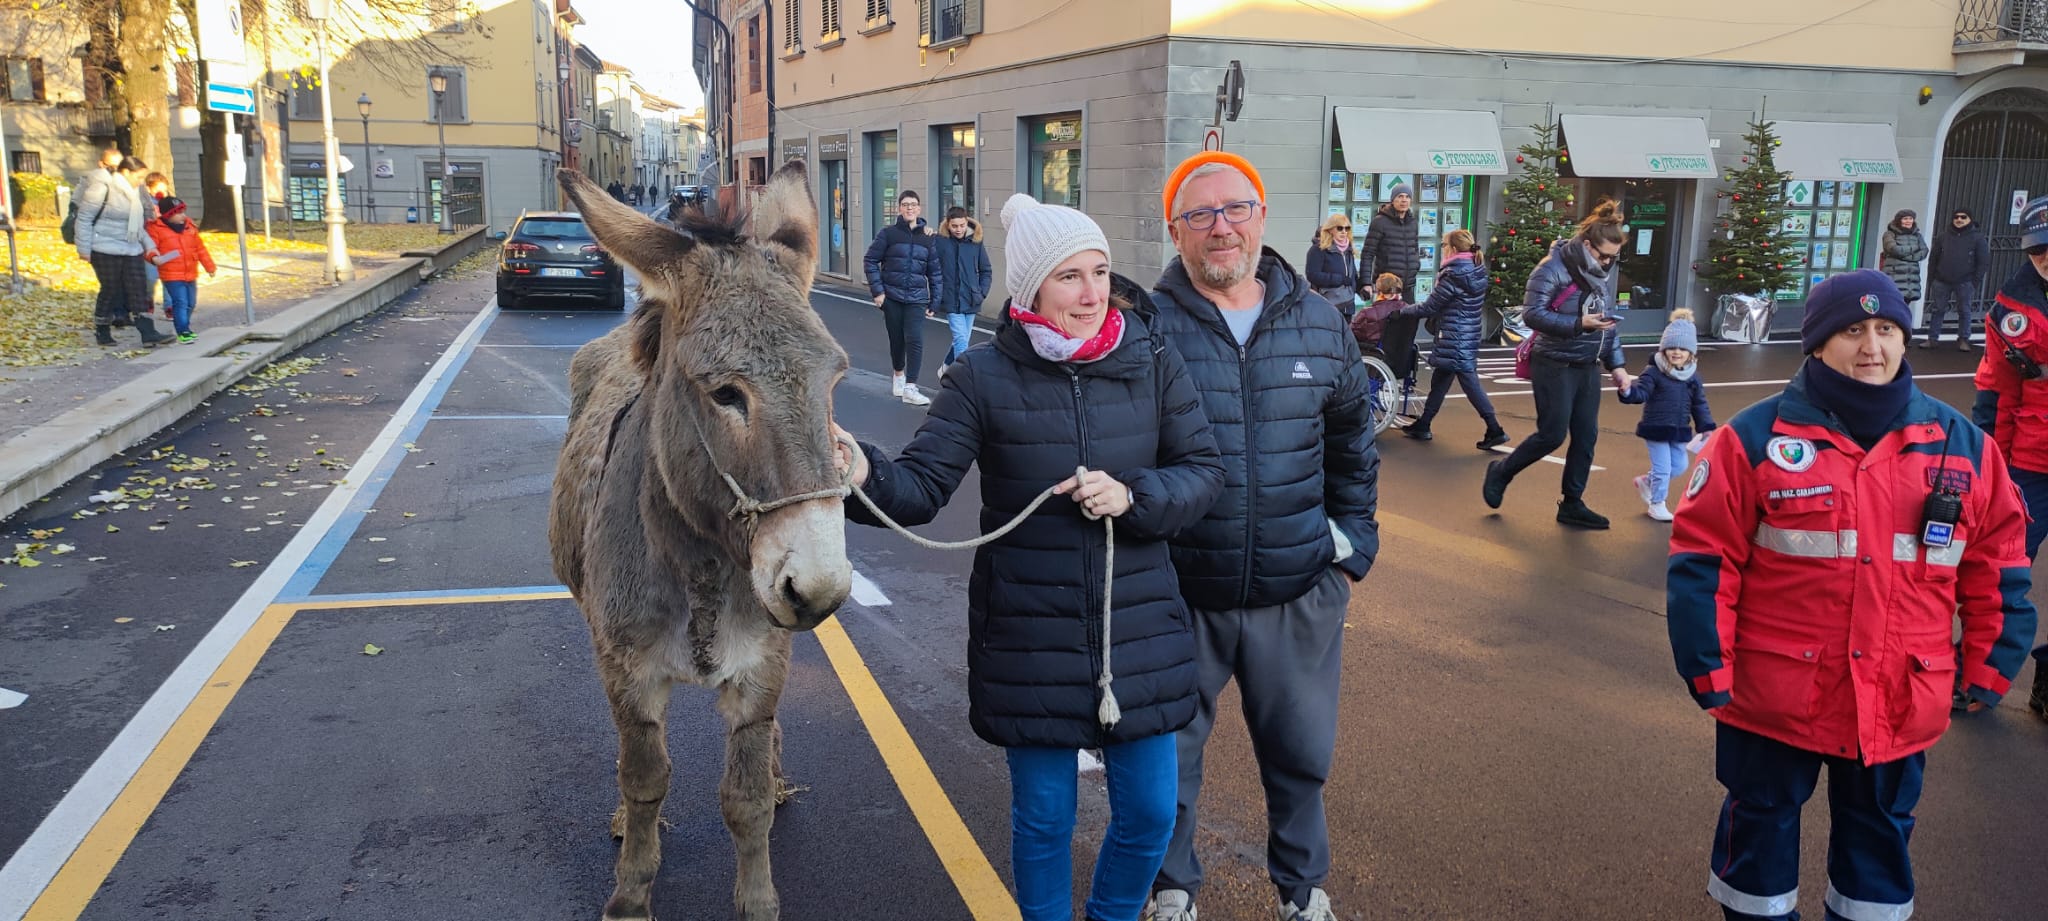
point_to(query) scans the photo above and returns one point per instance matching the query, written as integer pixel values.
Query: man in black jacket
(905, 278)
(1961, 255)
(1267, 572)
(1392, 246)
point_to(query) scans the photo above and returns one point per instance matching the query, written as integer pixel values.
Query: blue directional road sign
(229, 97)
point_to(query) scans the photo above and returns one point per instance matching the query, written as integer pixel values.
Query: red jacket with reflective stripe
(2013, 409)
(1803, 605)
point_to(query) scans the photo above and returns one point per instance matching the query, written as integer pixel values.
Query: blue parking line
(307, 577)
(498, 417)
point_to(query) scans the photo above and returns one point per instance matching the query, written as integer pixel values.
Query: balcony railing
(1985, 22)
(97, 121)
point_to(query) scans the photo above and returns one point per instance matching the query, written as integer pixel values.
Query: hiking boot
(1169, 905)
(1496, 486)
(896, 387)
(1495, 436)
(147, 327)
(1658, 512)
(1575, 513)
(1643, 490)
(1418, 432)
(1317, 909)
(103, 334)
(2038, 702)
(912, 397)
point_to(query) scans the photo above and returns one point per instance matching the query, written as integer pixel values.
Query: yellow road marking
(983, 890)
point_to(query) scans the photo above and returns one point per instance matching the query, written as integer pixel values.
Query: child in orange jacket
(177, 252)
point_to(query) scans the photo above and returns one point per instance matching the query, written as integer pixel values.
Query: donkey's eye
(730, 397)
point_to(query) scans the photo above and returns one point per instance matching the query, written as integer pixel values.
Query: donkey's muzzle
(801, 574)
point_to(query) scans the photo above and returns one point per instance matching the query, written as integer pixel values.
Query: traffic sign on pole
(228, 97)
(220, 32)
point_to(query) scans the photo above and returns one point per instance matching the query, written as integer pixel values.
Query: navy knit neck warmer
(1865, 410)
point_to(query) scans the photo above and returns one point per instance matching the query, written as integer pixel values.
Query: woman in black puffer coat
(1457, 302)
(1905, 247)
(1331, 273)
(1072, 379)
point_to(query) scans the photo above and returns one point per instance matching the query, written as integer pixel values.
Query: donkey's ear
(785, 220)
(631, 237)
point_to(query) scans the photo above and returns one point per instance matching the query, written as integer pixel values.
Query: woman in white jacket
(111, 216)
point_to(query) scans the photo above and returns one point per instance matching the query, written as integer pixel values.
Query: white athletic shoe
(911, 396)
(1169, 905)
(1659, 512)
(896, 387)
(1318, 908)
(1643, 488)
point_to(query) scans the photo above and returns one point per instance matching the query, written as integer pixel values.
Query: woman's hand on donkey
(848, 456)
(1097, 493)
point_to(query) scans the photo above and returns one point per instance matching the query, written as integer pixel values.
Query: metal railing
(1983, 22)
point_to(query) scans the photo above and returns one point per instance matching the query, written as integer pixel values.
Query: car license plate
(560, 273)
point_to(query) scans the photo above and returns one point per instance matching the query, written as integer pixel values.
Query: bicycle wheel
(1383, 393)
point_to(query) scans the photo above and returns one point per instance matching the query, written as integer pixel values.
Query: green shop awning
(1639, 147)
(1839, 151)
(1421, 141)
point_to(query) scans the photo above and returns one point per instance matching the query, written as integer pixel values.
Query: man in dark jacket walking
(905, 279)
(1392, 245)
(1267, 572)
(963, 260)
(1962, 254)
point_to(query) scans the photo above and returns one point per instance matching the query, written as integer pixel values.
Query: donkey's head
(738, 375)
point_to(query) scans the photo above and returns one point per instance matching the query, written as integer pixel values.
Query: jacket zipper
(1251, 472)
(1089, 578)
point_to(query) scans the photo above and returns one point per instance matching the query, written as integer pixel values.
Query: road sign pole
(235, 183)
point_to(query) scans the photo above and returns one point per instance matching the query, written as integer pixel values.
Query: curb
(38, 461)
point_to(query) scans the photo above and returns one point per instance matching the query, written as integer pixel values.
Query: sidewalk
(57, 421)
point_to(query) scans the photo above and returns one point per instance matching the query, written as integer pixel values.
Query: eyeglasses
(1236, 212)
(2037, 252)
(1962, 217)
(1605, 258)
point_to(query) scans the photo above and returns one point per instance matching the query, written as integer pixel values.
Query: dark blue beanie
(1849, 298)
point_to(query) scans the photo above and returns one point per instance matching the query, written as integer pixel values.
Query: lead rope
(1108, 711)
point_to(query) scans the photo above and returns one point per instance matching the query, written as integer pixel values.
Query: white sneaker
(1643, 488)
(1169, 905)
(1318, 908)
(896, 387)
(941, 374)
(1659, 512)
(911, 396)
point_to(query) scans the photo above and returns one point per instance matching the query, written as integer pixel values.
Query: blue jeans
(962, 325)
(1143, 783)
(1667, 459)
(179, 298)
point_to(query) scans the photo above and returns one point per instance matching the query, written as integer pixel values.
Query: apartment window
(187, 80)
(878, 13)
(828, 25)
(792, 28)
(306, 103)
(27, 161)
(753, 54)
(950, 20)
(23, 78)
(455, 103)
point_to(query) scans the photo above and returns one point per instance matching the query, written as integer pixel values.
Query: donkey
(697, 514)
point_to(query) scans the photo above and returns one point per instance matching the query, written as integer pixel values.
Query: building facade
(968, 102)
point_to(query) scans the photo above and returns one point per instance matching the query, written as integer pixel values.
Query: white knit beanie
(1038, 237)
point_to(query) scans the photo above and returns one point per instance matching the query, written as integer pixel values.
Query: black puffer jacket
(1903, 251)
(1034, 602)
(1391, 245)
(1960, 255)
(1558, 334)
(903, 264)
(1288, 410)
(1328, 268)
(1457, 302)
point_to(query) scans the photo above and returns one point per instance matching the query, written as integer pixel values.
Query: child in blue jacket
(1675, 414)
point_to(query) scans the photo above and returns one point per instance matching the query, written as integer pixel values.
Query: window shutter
(35, 76)
(878, 10)
(924, 22)
(458, 90)
(187, 80)
(831, 25)
(970, 17)
(792, 31)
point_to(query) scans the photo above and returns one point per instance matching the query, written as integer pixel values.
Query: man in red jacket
(1826, 541)
(2012, 392)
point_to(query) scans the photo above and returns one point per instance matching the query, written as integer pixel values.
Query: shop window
(1825, 222)
(1054, 166)
(953, 185)
(1442, 203)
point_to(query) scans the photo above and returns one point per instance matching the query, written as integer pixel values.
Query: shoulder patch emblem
(1698, 481)
(2013, 325)
(1793, 455)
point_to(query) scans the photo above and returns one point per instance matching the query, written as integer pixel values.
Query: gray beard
(1226, 277)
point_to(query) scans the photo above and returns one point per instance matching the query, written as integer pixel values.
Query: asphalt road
(1513, 741)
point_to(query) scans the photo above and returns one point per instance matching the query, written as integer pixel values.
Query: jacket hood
(973, 231)
(1388, 210)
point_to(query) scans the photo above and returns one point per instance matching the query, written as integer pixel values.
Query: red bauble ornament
(1745, 159)
(1511, 231)
(1738, 196)
(1739, 276)
(1518, 158)
(1541, 187)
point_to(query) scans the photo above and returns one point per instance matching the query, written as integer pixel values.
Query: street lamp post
(338, 268)
(369, 174)
(438, 81)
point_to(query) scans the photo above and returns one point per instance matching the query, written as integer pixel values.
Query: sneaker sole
(1487, 491)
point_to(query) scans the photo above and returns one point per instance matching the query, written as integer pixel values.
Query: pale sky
(652, 37)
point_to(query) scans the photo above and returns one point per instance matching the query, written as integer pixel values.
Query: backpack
(69, 229)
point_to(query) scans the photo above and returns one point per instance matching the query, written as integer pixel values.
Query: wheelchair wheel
(1383, 393)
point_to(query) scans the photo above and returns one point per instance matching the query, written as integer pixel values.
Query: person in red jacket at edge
(1826, 540)
(2012, 393)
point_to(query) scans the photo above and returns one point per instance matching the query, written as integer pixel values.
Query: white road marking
(1089, 763)
(35, 864)
(11, 699)
(866, 593)
(870, 303)
(1510, 449)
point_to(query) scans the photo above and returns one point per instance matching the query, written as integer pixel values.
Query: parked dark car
(552, 254)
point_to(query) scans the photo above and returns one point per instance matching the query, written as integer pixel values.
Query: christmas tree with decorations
(1748, 253)
(1538, 209)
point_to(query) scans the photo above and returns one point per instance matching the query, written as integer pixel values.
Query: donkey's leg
(639, 696)
(747, 795)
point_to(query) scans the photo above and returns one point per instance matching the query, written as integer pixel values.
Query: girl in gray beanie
(1674, 405)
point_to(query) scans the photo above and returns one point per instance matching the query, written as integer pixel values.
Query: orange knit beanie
(1189, 165)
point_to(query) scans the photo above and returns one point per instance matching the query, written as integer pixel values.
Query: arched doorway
(1997, 148)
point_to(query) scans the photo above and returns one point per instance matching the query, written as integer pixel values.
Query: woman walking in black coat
(1331, 273)
(1457, 302)
(1072, 379)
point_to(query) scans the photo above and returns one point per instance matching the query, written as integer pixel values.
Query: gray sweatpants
(1286, 660)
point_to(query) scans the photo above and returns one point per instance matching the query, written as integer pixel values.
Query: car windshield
(553, 228)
